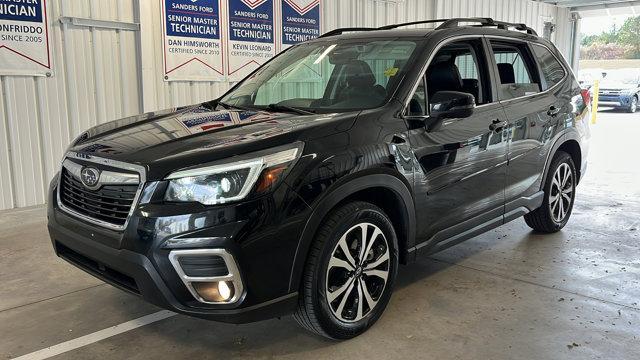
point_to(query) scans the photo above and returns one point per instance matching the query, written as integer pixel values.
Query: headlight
(221, 183)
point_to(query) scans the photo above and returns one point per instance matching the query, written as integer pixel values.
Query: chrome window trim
(463, 37)
(111, 163)
(229, 260)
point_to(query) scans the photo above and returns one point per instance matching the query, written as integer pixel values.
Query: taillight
(586, 96)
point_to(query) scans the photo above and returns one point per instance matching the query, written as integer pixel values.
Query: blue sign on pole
(251, 36)
(251, 21)
(197, 19)
(300, 21)
(24, 38)
(30, 11)
(193, 48)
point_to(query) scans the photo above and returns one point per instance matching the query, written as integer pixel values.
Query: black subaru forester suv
(303, 188)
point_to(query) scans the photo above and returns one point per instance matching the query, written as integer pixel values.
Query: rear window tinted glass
(552, 70)
(517, 77)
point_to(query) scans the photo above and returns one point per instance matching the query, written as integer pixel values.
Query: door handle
(553, 111)
(497, 125)
(398, 139)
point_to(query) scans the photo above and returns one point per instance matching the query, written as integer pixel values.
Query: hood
(616, 85)
(178, 138)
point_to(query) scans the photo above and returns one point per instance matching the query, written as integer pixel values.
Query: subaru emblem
(90, 177)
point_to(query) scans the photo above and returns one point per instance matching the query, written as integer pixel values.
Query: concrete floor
(508, 294)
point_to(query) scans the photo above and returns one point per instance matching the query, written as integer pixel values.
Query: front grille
(110, 203)
(609, 92)
(97, 269)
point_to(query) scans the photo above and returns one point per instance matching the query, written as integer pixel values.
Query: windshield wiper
(278, 107)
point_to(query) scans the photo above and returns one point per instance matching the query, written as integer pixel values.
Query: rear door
(532, 112)
(463, 162)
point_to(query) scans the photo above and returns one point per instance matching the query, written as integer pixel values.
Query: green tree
(607, 37)
(629, 34)
(612, 41)
(588, 40)
(611, 36)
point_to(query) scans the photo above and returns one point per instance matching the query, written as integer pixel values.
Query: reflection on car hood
(177, 138)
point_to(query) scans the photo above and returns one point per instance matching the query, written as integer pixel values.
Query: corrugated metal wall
(105, 74)
(95, 80)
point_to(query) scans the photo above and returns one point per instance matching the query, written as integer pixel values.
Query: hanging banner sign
(300, 21)
(251, 36)
(192, 44)
(24, 38)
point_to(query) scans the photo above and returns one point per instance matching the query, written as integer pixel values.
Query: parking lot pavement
(509, 293)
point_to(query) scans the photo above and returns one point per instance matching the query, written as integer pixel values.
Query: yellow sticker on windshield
(391, 72)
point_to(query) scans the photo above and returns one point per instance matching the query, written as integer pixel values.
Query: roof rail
(344, 30)
(446, 24)
(395, 26)
(487, 22)
(519, 27)
(455, 22)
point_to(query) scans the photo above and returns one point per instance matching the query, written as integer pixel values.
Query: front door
(460, 182)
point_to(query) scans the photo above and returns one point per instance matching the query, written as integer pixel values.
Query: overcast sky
(598, 25)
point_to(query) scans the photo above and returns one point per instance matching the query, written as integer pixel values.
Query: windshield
(326, 77)
(629, 76)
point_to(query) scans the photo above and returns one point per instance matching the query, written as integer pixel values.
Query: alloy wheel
(561, 194)
(634, 104)
(357, 273)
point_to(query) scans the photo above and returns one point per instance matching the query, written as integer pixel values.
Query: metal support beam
(575, 42)
(103, 24)
(605, 6)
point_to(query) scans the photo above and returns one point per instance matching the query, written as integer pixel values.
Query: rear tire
(346, 288)
(559, 196)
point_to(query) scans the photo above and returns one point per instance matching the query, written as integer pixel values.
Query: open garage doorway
(606, 60)
(609, 66)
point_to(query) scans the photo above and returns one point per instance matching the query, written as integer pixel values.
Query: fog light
(217, 291)
(224, 290)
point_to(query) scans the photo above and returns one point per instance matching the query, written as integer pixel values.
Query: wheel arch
(386, 191)
(572, 147)
(568, 143)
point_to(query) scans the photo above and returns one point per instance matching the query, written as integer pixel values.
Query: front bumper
(610, 103)
(614, 101)
(137, 259)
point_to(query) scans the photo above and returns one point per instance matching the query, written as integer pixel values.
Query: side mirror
(452, 105)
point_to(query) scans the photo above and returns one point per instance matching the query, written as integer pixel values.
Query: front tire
(350, 272)
(633, 106)
(559, 196)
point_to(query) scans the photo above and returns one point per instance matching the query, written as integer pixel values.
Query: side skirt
(466, 230)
